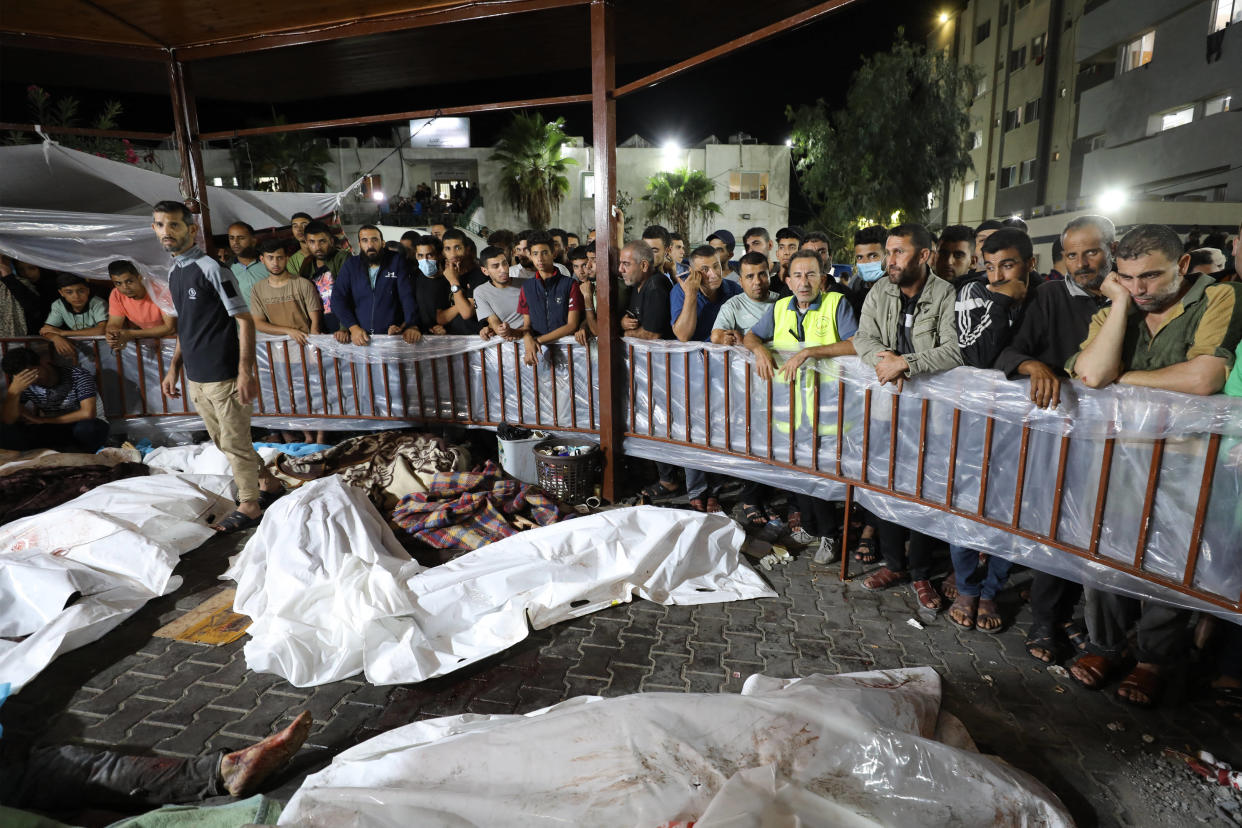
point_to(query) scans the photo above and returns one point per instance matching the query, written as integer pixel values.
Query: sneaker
(802, 536)
(827, 551)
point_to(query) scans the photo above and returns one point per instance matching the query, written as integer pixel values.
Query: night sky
(747, 92)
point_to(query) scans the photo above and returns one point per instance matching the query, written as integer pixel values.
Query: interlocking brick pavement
(182, 699)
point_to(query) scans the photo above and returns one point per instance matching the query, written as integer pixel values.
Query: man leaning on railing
(907, 329)
(1166, 329)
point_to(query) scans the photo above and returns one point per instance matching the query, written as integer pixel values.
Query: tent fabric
(53, 177)
(333, 594)
(74, 572)
(862, 749)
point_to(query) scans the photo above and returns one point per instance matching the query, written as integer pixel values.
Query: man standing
(215, 339)
(374, 293)
(297, 225)
(246, 267)
(657, 238)
(1165, 329)
(1055, 324)
(907, 329)
(810, 324)
(322, 265)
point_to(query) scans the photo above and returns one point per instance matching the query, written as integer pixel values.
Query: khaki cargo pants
(228, 425)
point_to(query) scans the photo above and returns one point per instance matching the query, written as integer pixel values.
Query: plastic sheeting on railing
(387, 384)
(862, 749)
(679, 389)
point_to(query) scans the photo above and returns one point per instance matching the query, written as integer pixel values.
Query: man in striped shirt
(46, 406)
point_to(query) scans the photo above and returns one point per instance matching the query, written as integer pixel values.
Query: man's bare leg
(244, 770)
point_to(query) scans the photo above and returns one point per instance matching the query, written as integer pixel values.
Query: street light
(944, 17)
(1111, 200)
(670, 155)
(789, 142)
(378, 195)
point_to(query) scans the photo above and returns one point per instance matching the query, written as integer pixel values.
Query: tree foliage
(532, 167)
(49, 112)
(287, 162)
(680, 198)
(904, 132)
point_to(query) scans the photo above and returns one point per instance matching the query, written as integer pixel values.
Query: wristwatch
(454, 288)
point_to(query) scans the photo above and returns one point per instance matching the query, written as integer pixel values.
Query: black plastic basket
(569, 477)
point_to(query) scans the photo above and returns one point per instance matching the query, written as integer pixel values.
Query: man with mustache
(907, 329)
(1056, 322)
(1166, 329)
(374, 294)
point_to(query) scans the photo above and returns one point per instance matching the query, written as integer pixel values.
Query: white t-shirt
(500, 302)
(741, 312)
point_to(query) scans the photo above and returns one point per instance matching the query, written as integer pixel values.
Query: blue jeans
(966, 561)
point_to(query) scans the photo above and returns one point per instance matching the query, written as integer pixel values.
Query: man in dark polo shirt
(1166, 329)
(215, 339)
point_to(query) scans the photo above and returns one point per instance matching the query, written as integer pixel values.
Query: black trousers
(917, 560)
(69, 777)
(819, 517)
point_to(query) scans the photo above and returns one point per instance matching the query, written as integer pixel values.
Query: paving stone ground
(181, 699)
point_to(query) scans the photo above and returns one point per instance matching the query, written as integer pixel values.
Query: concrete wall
(401, 172)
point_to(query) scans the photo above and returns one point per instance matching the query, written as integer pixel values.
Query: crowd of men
(1136, 310)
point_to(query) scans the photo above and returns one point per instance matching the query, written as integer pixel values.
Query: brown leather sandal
(963, 610)
(1099, 668)
(927, 596)
(883, 579)
(1145, 680)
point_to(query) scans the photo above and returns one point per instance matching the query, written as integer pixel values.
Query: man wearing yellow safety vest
(810, 324)
(908, 327)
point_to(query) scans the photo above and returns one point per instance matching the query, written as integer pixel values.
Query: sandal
(1097, 667)
(1145, 680)
(752, 515)
(698, 504)
(657, 491)
(235, 522)
(866, 552)
(927, 596)
(266, 499)
(948, 587)
(989, 612)
(713, 505)
(1229, 699)
(1042, 638)
(963, 611)
(883, 579)
(1077, 635)
(774, 514)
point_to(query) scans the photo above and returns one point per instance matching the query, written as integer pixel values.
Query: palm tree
(680, 198)
(532, 168)
(288, 161)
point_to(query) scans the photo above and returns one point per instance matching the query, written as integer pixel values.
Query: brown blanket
(30, 491)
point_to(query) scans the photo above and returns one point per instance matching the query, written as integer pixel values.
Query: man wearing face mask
(868, 264)
(373, 293)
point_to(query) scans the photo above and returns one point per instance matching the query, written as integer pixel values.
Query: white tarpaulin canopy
(116, 546)
(333, 594)
(864, 749)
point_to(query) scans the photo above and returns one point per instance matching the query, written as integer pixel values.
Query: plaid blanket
(466, 510)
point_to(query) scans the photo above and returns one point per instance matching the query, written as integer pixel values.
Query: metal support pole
(185, 122)
(604, 143)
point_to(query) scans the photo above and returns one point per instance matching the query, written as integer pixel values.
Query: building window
(748, 186)
(1009, 176)
(1031, 111)
(1017, 59)
(1225, 12)
(1138, 52)
(970, 191)
(983, 31)
(1176, 118)
(1026, 172)
(1037, 46)
(1217, 105)
(976, 139)
(981, 88)
(1013, 119)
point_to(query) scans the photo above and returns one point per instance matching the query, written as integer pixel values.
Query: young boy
(497, 301)
(283, 305)
(75, 313)
(551, 303)
(130, 304)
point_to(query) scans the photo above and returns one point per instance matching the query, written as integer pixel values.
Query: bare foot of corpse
(244, 770)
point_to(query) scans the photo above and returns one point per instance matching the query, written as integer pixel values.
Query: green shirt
(62, 317)
(1233, 385)
(248, 275)
(1207, 321)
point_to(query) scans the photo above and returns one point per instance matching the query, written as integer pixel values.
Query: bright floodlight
(944, 17)
(789, 142)
(378, 195)
(671, 147)
(1113, 199)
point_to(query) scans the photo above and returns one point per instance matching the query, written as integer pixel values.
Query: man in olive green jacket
(907, 328)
